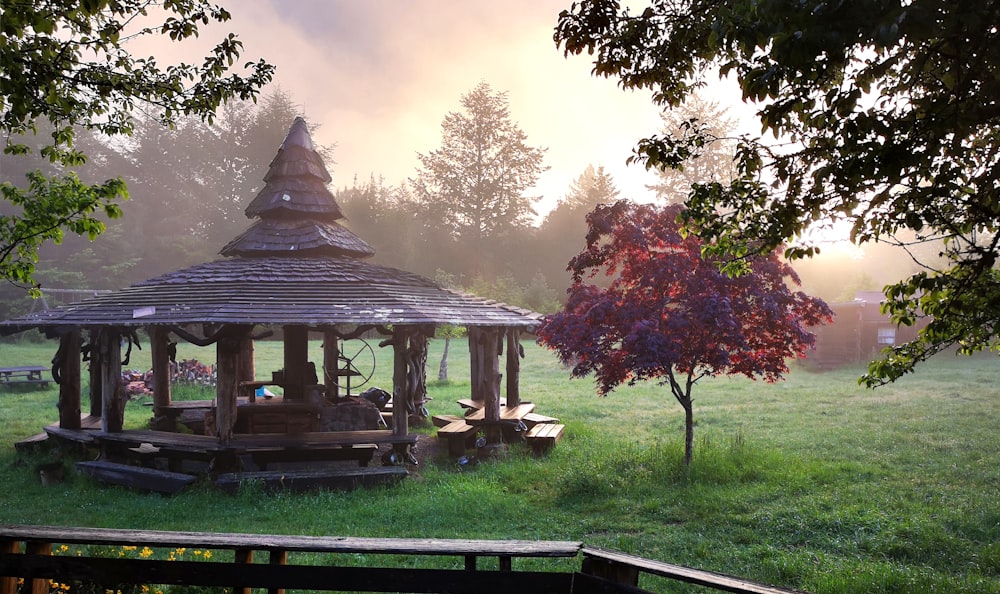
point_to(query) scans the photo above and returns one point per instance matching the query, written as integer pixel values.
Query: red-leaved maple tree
(669, 315)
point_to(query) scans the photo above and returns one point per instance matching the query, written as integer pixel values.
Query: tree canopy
(475, 184)
(885, 114)
(670, 315)
(65, 66)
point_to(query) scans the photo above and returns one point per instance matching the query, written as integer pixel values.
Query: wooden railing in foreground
(26, 553)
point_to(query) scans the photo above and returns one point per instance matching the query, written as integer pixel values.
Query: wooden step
(460, 435)
(29, 443)
(442, 420)
(544, 436)
(136, 477)
(341, 478)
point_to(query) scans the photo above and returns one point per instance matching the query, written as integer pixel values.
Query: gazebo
(295, 269)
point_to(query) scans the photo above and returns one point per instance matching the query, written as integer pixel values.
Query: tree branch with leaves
(68, 65)
(885, 116)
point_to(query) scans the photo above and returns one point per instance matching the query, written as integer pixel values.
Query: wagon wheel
(355, 365)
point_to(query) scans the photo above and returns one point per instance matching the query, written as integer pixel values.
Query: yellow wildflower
(207, 555)
(146, 552)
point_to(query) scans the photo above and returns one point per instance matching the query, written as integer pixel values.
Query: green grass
(812, 483)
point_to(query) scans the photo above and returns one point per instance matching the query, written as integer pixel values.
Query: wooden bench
(267, 447)
(28, 374)
(442, 420)
(344, 479)
(136, 477)
(30, 443)
(544, 436)
(512, 414)
(531, 419)
(362, 453)
(460, 435)
(78, 436)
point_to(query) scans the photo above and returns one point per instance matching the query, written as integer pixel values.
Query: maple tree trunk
(688, 432)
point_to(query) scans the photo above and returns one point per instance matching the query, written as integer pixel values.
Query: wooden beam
(96, 406)
(68, 363)
(475, 363)
(331, 362)
(159, 345)
(491, 384)
(112, 397)
(39, 585)
(244, 556)
(248, 367)
(296, 358)
(513, 367)
(277, 557)
(8, 584)
(400, 382)
(227, 361)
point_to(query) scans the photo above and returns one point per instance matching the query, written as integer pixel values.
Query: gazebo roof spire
(297, 211)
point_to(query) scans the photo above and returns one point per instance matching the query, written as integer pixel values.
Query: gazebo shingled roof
(283, 291)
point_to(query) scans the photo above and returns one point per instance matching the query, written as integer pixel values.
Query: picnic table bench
(26, 374)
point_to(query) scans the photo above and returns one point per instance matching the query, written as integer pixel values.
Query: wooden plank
(81, 436)
(442, 420)
(28, 443)
(677, 572)
(292, 543)
(136, 477)
(469, 403)
(506, 414)
(343, 479)
(8, 583)
(22, 369)
(531, 419)
(361, 453)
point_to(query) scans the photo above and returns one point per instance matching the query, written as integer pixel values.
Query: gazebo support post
(491, 342)
(296, 357)
(247, 367)
(96, 406)
(112, 401)
(400, 382)
(331, 363)
(160, 353)
(475, 363)
(416, 354)
(68, 362)
(228, 361)
(513, 367)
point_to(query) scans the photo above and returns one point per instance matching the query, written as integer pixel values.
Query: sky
(378, 77)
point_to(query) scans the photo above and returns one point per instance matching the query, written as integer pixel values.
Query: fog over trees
(190, 185)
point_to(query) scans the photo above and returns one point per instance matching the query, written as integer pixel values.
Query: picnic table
(27, 374)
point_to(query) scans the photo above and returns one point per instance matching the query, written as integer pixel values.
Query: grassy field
(813, 483)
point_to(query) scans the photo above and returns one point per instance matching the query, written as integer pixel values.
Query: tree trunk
(688, 432)
(443, 368)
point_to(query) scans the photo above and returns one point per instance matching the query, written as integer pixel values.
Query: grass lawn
(813, 483)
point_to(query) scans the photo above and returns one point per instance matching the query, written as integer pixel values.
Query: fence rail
(26, 554)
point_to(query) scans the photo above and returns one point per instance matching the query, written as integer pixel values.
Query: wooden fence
(27, 564)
